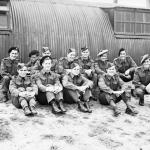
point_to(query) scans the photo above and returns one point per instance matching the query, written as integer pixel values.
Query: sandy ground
(75, 130)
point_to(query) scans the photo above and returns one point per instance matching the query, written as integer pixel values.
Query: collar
(85, 59)
(123, 60)
(20, 78)
(73, 76)
(110, 77)
(44, 72)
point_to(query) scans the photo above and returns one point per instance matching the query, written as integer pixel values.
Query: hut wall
(37, 23)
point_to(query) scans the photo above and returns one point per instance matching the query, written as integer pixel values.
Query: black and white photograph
(74, 74)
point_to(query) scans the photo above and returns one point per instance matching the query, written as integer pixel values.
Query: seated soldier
(64, 64)
(101, 63)
(23, 91)
(34, 57)
(47, 52)
(8, 69)
(50, 88)
(141, 79)
(125, 66)
(113, 90)
(87, 67)
(77, 88)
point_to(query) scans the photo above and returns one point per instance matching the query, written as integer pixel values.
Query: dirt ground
(75, 130)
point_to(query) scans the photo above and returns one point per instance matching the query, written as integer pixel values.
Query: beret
(110, 65)
(13, 48)
(44, 49)
(145, 57)
(44, 58)
(101, 52)
(84, 48)
(71, 50)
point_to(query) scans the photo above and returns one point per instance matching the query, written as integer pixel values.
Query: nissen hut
(61, 24)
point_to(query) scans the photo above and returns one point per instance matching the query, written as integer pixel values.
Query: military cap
(145, 57)
(44, 58)
(34, 52)
(70, 50)
(102, 51)
(13, 48)
(44, 49)
(84, 48)
(20, 66)
(73, 65)
(110, 65)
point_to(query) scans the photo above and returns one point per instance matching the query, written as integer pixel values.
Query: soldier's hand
(23, 94)
(50, 89)
(88, 72)
(82, 88)
(118, 93)
(57, 89)
(127, 72)
(31, 94)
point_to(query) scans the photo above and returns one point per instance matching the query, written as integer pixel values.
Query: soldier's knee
(139, 91)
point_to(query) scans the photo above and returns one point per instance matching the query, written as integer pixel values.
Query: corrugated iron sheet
(38, 23)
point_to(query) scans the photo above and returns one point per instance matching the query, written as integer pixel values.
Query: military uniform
(45, 80)
(63, 65)
(19, 84)
(141, 80)
(71, 83)
(123, 65)
(101, 66)
(32, 67)
(108, 84)
(87, 64)
(8, 69)
(53, 67)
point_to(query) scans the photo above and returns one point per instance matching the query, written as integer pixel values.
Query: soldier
(50, 89)
(47, 52)
(8, 69)
(23, 91)
(101, 63)
(77, 88)
(113, 90)
(87, 67)
(34, 57)
(125, 66)
(141, 79)
(64, 64)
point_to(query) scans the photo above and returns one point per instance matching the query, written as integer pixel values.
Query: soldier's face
(122, 54)
(46, 53)
(76, 70)
(85, 54)
(146, 64)
(23, 71)
(47, 64)
(33, 58)
(103, 57)
(111, 71)
(13, 54)
(71, 56)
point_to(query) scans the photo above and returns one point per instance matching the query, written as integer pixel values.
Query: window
(4, 16)
(3, 20)
(132, 22)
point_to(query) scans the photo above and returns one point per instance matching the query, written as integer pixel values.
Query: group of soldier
(73, 79)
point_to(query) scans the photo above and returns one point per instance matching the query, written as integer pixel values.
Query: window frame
(134, 22)
(6, 9)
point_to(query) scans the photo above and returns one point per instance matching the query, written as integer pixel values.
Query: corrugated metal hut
(31, 24)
